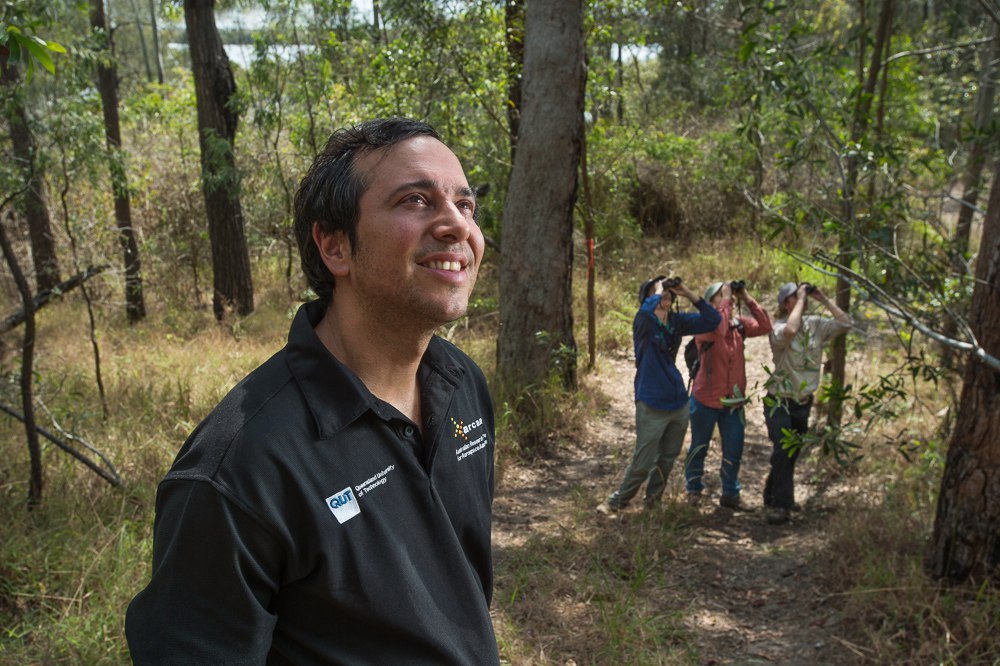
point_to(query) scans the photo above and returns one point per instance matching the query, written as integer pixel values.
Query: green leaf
(41, 53)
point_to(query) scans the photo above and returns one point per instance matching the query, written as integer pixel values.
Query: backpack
(692, 359)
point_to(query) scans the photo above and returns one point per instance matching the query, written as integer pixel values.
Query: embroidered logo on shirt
(343, 505)
(460, 429)
(462, 433)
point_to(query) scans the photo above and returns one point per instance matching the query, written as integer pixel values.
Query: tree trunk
(157, 52)
(215, 90)
(43, 244)
(514, 22)
(107, 83)
(965, 545)
(536, 317)
(36, 477)
(972, 178)
(846, 250)
(977, 151)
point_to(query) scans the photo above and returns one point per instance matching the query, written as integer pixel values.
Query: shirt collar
(335, 395)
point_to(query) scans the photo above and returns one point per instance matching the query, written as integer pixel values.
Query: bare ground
(749, 592)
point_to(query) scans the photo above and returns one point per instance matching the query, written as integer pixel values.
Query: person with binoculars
(661, 410)
(797, 342)
(718, 391)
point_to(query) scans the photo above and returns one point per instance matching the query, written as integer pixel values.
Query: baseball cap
(644, 289)
(712, 290)
(786, 290)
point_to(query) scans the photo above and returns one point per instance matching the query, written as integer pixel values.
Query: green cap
(712, 290)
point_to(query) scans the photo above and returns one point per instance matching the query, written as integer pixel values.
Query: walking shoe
(777, 516)
(694, 499)
(607, 509)
(796, 507)
(733, 502)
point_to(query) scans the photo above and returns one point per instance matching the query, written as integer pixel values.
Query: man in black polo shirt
(335, 507)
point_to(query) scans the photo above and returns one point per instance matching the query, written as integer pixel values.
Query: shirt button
(408, 430)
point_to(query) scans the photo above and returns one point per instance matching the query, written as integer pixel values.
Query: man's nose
(453, 223)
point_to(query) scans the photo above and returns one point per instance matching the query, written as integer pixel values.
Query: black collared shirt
(305, 521)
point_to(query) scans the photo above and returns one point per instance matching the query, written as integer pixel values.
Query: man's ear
(335, 250)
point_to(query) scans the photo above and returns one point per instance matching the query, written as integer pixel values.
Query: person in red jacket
(717, 394)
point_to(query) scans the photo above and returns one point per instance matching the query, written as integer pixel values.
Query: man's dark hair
(331, 191)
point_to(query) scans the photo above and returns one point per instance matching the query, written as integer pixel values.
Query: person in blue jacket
(661, 399)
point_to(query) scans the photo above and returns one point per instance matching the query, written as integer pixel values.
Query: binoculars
(810, 288)
(737, 285)
(671, 283)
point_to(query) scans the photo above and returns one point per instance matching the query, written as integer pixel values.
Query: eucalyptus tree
(21, 47)
(965, 546)
(843, 157)
(107, 83)
(536, 341)
(218, 116)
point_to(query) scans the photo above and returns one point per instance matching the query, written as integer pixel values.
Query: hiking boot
(733, 502)
(777, 516)
(694, 499)
(607, 508)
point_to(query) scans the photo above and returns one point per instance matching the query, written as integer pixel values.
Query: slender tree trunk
(514, 22)
(64, 202)
(215, 89)
(965, 546)
(142, 37)
(845, 256)
(36, 480)
(107, 83)
(43, 244)
(588, 232)
(157, 51)
(973, 175)
(536, 316)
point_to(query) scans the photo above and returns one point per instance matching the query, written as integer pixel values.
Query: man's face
(418, 248)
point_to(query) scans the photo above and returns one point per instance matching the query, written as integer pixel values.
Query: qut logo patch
(343, 505)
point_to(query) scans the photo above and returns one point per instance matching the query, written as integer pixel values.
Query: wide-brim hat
(644, 288)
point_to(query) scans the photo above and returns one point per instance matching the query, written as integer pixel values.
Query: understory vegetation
(71, 566)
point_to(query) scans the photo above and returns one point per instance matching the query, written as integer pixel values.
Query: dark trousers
(781, 415)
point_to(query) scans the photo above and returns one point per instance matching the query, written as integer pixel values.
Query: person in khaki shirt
(797, 342)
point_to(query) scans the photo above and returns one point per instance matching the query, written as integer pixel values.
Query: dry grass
(69, 568)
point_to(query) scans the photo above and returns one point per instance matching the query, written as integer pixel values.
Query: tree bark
(845, 255)
(36, 479)
(215, 90)
(965, 546)
(43, 244)
(514, 24)
(107, 83)
(536, 317)
(157, 52)
(976, 161)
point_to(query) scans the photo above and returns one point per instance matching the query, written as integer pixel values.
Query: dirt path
(750, 589)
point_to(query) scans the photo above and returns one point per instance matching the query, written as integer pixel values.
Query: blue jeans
(781, 416)
(659, 437)
(731, 429)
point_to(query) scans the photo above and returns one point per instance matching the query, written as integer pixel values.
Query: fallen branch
(43, 297)
(110, 474)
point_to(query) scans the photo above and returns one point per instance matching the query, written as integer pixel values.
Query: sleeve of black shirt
(214, 572)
